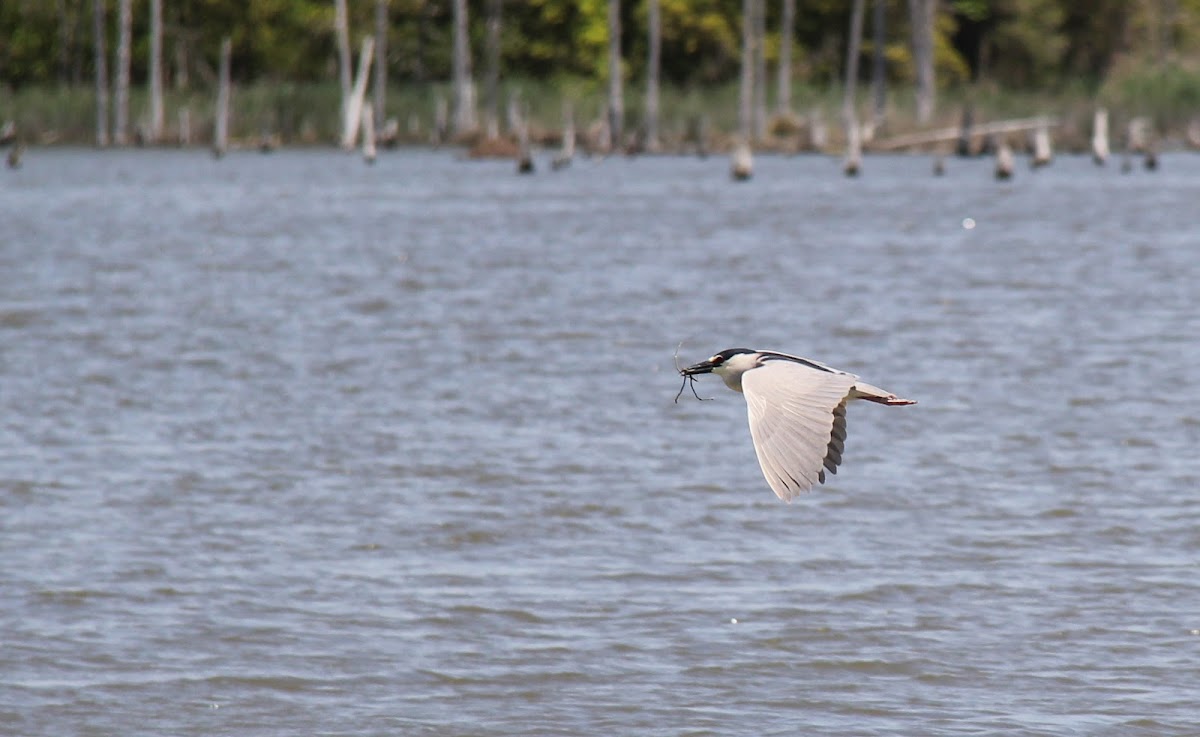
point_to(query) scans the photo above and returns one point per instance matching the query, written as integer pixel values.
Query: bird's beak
(704, 367)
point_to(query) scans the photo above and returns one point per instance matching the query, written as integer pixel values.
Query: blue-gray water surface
(294, 446)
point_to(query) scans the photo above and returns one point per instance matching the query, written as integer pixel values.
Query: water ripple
(294, 447)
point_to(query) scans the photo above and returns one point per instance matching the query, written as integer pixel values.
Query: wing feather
(797, 417)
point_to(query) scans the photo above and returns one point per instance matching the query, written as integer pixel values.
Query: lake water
(294, 446)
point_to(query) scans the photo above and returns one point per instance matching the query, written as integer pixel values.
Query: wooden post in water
(1151, 158)
(525, 153)
(221, 127)
(965, 131)
(742, 163)
(354, 109)
(1041, 147)
(1004, 160)
(267, 141)
(1100, 149)
(1135, 135)
(853, 162)
(14, 155)
(567, 153)
(368, 130)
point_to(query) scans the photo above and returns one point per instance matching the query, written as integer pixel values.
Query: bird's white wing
(797, 421)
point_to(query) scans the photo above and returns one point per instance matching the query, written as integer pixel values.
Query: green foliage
(26, 42)
(700, 43)
(1167, 92)
(976, 11)
(534, 32)
(1034, 44)
(1029, 35)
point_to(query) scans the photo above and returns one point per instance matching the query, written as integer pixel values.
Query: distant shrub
(1169, 92)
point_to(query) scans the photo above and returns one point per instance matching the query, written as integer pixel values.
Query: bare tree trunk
(783, 102)
(156, 89)
(181, 65)
(853, 46)
(420, 70)
(341, 32)
(746, 90)
(124, 44)
(878, 82)
(492, 75)
(849, 112)
(464, 89)
(221, 127)
(354, 107)
(1164, 20)
(99, 31)
(63, 42)
(381, 33)
(654, 66)
(922, 14)
(616, 100)
(75, 58)
(760, 69)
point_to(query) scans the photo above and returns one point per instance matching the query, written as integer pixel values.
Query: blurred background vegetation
(1007, 57)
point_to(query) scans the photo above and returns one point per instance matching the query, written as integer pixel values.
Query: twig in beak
(686, 378)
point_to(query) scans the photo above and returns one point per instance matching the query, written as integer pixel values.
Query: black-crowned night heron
(797, 410)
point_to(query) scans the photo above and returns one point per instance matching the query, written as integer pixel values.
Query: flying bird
(797, 410)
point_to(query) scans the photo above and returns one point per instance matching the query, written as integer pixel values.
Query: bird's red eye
(716, 359)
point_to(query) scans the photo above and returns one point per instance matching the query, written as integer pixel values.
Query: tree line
(1026, 44)
(1011, 42)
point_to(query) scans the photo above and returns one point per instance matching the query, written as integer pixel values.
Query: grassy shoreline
(307, 114)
